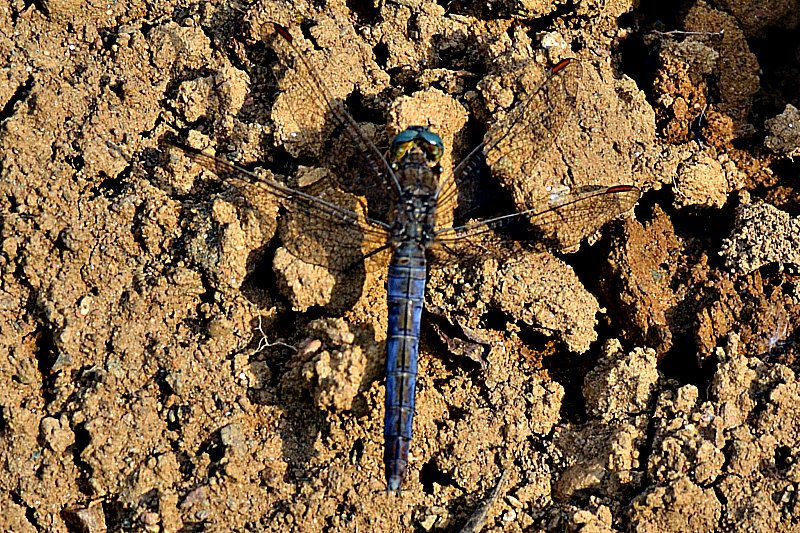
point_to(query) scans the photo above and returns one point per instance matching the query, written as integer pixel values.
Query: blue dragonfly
(410, 186)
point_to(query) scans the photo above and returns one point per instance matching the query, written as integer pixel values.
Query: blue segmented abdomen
(406, 290)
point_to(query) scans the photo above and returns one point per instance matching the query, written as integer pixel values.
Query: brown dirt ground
(164, 366)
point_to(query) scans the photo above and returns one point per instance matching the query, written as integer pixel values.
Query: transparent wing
(357, 165)
(558, 221)
(330, 230)
(554, 221)
(522, 136)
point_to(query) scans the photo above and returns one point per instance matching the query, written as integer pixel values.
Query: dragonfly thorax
(415, 218)
(414, 156)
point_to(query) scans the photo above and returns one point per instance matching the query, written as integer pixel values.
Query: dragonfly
(327, 228)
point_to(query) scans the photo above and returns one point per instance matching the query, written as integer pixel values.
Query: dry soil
(167, 364)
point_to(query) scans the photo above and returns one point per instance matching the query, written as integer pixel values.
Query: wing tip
(623, 188)
(283, 31)
(561, 65)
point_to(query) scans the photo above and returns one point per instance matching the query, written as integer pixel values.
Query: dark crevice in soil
(367, 13)
(431, 474)
(381, 53)
(46, 357)
(20, 95)
(357, 451)
(569, 370)
(785, 193)
(30, 512)
(361, 110)
(704, 228)
(563, 12)
(459, 53)
(117, 516)
(111, 186)
(638, 52)
(258, 64)
(215, 449)
(76, 162)
(261, 281)
(82, 440)
(140, 218)
(780, 73)
(653, 425)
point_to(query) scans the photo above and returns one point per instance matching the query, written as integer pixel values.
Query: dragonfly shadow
(298, 422)
(324, 266)
(317, 380)
(482, 196)
(309, 266)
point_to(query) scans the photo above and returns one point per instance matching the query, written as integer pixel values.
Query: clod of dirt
(737, 67)
(57, 434)
(518, 410)
(544, 292)
(603, 130)
(200, 98)
(784, 132)
(681, 87)
(300, 122)
(701, 181)
(331, 369)
(305, 285)
(604, 451)
(757, 18)
(596, 519)
(706, 83)
(697, 443)
(535, 289)
(762, 235)
(179, 47)
(759, 308)
(677, 506)
(643, 270)
(86, 519)
(621, 385)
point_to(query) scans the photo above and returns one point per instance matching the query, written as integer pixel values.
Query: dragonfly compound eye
(431, 143)
(433, 151)
(399, 148)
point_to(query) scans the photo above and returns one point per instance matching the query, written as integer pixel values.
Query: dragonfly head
(417, 140)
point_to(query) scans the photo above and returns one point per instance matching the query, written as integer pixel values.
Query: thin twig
(478, 518)
(720, 33)
(263, 342)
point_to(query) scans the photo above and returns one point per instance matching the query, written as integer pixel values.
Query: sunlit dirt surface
(166, 364)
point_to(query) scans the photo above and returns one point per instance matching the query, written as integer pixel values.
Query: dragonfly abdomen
(406, 294)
